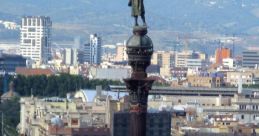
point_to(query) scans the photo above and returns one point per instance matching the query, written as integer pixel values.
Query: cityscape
(99, 68)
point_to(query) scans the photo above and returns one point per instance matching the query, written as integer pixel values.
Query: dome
(139, 41)
(9, 94)
(81, 94)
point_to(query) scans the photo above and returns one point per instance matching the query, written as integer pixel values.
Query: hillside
(112, 17)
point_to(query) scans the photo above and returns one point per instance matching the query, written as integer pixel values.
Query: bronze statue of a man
(138, 10)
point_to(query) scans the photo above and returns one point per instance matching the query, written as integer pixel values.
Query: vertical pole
(2, 128)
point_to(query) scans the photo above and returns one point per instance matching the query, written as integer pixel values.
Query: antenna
(233, 45)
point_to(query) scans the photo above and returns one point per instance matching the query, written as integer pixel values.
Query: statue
(138, 10)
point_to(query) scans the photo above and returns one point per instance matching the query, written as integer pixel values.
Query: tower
(139, 50)
(93, 50)
(36, 38)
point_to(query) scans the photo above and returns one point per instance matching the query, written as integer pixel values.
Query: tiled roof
(30, 72)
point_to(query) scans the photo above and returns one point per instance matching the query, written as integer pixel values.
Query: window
(26, 41)
(242, 116)
(31, 29)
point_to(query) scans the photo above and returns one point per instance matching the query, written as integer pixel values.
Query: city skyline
(190, 67)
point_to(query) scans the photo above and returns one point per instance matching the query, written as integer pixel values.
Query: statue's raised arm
(138, 9)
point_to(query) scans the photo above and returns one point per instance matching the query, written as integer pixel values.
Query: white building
(229, 62)
(190, 59)
(195, 63)
(36, 38)
(71, 56)
(93, 50)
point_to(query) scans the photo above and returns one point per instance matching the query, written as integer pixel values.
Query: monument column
(139, 50)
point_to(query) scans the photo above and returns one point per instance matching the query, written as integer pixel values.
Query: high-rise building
(121, 54)
(189, 59)
(222, 53)
(93, 50)
(71, 56)
(36, 38)
(163, 59)
(250, 59)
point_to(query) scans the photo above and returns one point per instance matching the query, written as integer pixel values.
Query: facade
(8, 63)
(222, 53)
(195, 63)
(201, 81)
(248, 108)
(110, 73)
(93, 50)
(163, 59)
(234, 77)
(121, 54)
(182, 57)
(66, 116)
(229, 63)
(158, 124)
(179, 72)
(71, 56)
(250, 59)
(36, 38)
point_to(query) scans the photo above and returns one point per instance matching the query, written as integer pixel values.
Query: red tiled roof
(31, 72)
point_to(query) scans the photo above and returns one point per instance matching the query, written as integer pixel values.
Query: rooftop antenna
(233, 45)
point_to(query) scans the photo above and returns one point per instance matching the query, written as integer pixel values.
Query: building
(67, 116)
(33, 71)
(70, 56)
(179, 72)
(205, 81)
(158, 124)
(195, 63)
(229, 63)
(110, 73)
(222, 53)
(8, 63)
(121, 54)
(36, 38)
(234, 77)
(163, 58)
(93, 50)
(250, 59)
(195, 58)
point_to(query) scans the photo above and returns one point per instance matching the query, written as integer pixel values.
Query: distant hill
(112, 17)
(234, 15)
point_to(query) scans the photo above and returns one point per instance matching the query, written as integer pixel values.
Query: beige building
(234, 77)
(60, 116)
(163, 58)
(189, 58)
(121, 54)
(208, 101)
(200, 81)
